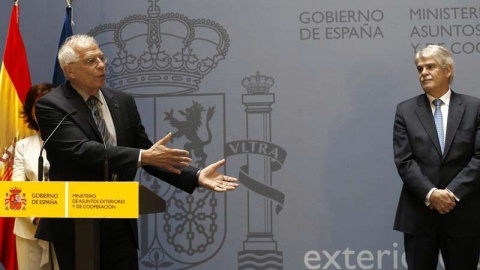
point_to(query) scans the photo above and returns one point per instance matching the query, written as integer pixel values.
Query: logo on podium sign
(15, 200)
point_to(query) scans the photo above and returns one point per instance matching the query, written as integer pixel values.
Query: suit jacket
(422, 166)
(76, 151)
(25, 168)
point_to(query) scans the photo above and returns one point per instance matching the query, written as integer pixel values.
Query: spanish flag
(14, 85)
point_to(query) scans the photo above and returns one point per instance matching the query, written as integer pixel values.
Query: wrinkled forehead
(88, 51)
(427, 60)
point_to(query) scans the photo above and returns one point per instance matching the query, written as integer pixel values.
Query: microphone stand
(40, 157)
(105, 164)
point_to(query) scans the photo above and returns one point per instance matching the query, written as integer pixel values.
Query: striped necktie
(102, 127)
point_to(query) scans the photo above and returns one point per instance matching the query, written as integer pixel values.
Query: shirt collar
(85, 95)
(445, 98)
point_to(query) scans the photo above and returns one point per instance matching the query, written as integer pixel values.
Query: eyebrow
(90, 55)
(427, 64)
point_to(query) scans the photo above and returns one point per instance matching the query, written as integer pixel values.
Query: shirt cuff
(427, 199)
(139, 164)
(456, 198)
(198, 176)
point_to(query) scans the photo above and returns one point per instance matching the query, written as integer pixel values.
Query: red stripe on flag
(14, 54)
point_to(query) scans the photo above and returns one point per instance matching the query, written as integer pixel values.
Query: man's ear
(68, 72)
(448, 71)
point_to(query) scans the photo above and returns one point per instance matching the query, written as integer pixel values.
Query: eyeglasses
(95, 61)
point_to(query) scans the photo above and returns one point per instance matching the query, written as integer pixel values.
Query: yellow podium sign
(103, 199)
(70, 199)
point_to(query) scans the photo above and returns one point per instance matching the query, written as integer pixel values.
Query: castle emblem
(6, 163)
(189, 129)
(15, 200)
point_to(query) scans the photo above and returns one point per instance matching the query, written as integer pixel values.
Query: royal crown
(258, 84)
(15, 190)
(157, 49)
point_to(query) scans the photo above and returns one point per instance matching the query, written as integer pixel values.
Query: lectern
(86, 202)
(87, 231)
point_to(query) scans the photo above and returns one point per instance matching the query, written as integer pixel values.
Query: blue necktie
(439, 123)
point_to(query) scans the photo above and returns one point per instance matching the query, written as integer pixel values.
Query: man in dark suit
(436, 143)
(76, 151)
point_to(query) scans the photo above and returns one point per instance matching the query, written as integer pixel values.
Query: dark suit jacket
(76, 152)
(422, 166)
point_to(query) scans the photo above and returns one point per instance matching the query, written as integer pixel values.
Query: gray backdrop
(299, 96)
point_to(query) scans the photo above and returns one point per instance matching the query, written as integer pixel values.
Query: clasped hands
(171, 159)
(442, 200)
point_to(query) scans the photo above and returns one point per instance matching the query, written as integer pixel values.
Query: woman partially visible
(32, 254)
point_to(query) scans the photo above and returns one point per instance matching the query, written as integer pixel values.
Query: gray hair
(442, 55)
(67, 53)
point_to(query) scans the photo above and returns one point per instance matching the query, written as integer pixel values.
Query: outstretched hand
(210, 178)
(168, 158)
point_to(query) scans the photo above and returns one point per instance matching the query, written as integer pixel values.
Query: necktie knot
(437, 102)
(92, 101)
(92, 104)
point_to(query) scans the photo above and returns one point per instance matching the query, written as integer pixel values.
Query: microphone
(105, 164)
(40, 157)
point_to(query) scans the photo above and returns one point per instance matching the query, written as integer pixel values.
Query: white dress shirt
(444, 108)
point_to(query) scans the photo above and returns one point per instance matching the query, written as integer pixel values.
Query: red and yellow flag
(14, 85)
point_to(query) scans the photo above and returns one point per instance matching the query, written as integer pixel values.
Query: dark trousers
(459, 253)
(118, 249)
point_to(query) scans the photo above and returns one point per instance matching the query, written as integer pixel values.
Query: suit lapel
(84, 113)
(114, 107)
(455, 115)
(424, 114)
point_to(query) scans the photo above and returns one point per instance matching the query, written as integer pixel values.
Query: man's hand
(210, 178)
(161, 156)
(442, 200)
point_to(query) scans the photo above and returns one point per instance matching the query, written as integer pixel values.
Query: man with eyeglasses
(436, 144)
(76, 151)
